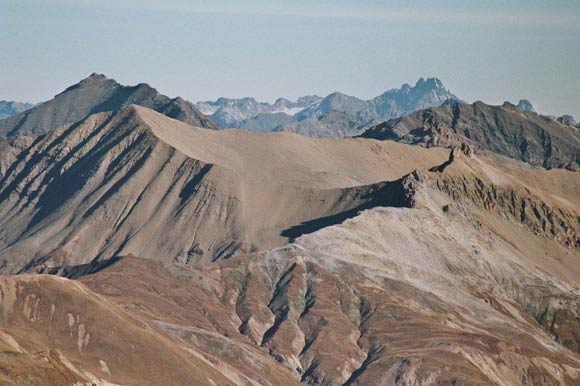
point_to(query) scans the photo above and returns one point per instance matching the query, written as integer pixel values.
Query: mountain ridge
(117, 176)
(522, 135)
(443, 288)
(94, 94)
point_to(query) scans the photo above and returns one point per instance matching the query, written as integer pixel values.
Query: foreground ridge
(469, 277)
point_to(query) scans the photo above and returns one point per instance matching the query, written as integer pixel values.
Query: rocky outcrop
(516, 204)
(522, 206)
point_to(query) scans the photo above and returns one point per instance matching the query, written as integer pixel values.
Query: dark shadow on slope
(61, 187)
(77, 271)
(68, 271)
(372, 356)
(392, 193)
(190, 187)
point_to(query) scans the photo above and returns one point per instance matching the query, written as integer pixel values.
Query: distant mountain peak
(407, 87)
(509, 106)
(9, 108)
(525, 105)
(429, 83)
(393, 103)
(336, 94)
(567, 120)
(94, 77)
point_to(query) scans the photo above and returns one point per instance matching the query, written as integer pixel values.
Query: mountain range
(141, 246)
(9, 108)
(335, 115)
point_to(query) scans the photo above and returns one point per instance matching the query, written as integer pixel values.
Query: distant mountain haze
(9, 108)
(336, 115)
(309, 115)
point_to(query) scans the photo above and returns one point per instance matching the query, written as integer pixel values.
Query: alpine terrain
(336, 115)
(141, 246)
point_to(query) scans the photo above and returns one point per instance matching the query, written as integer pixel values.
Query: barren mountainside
(136, 249)
(111, 184)
(95, 94)
(441, 288)
(505, 130)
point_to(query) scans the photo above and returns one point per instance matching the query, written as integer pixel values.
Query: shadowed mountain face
(522, 135)
(95, 94)
(472, 279)
(8, 108)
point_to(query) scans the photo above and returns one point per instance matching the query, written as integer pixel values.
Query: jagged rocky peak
(95, 76)
(91, 81)
(282, 102)
(525, 105)
(509, 106)
(304, 114)
(429, 83)
(465, 150)
(308, 99)
(406, 87)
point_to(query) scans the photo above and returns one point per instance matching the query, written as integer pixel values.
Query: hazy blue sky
(492, 50)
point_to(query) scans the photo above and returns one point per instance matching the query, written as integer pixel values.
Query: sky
(493, 50)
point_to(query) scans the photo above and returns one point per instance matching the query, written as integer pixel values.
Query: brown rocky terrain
(443, 291)
(115, 182)
(522, 135)
(275, 259)
(95, 94)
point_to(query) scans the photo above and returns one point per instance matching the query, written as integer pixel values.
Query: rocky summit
(95, 94)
